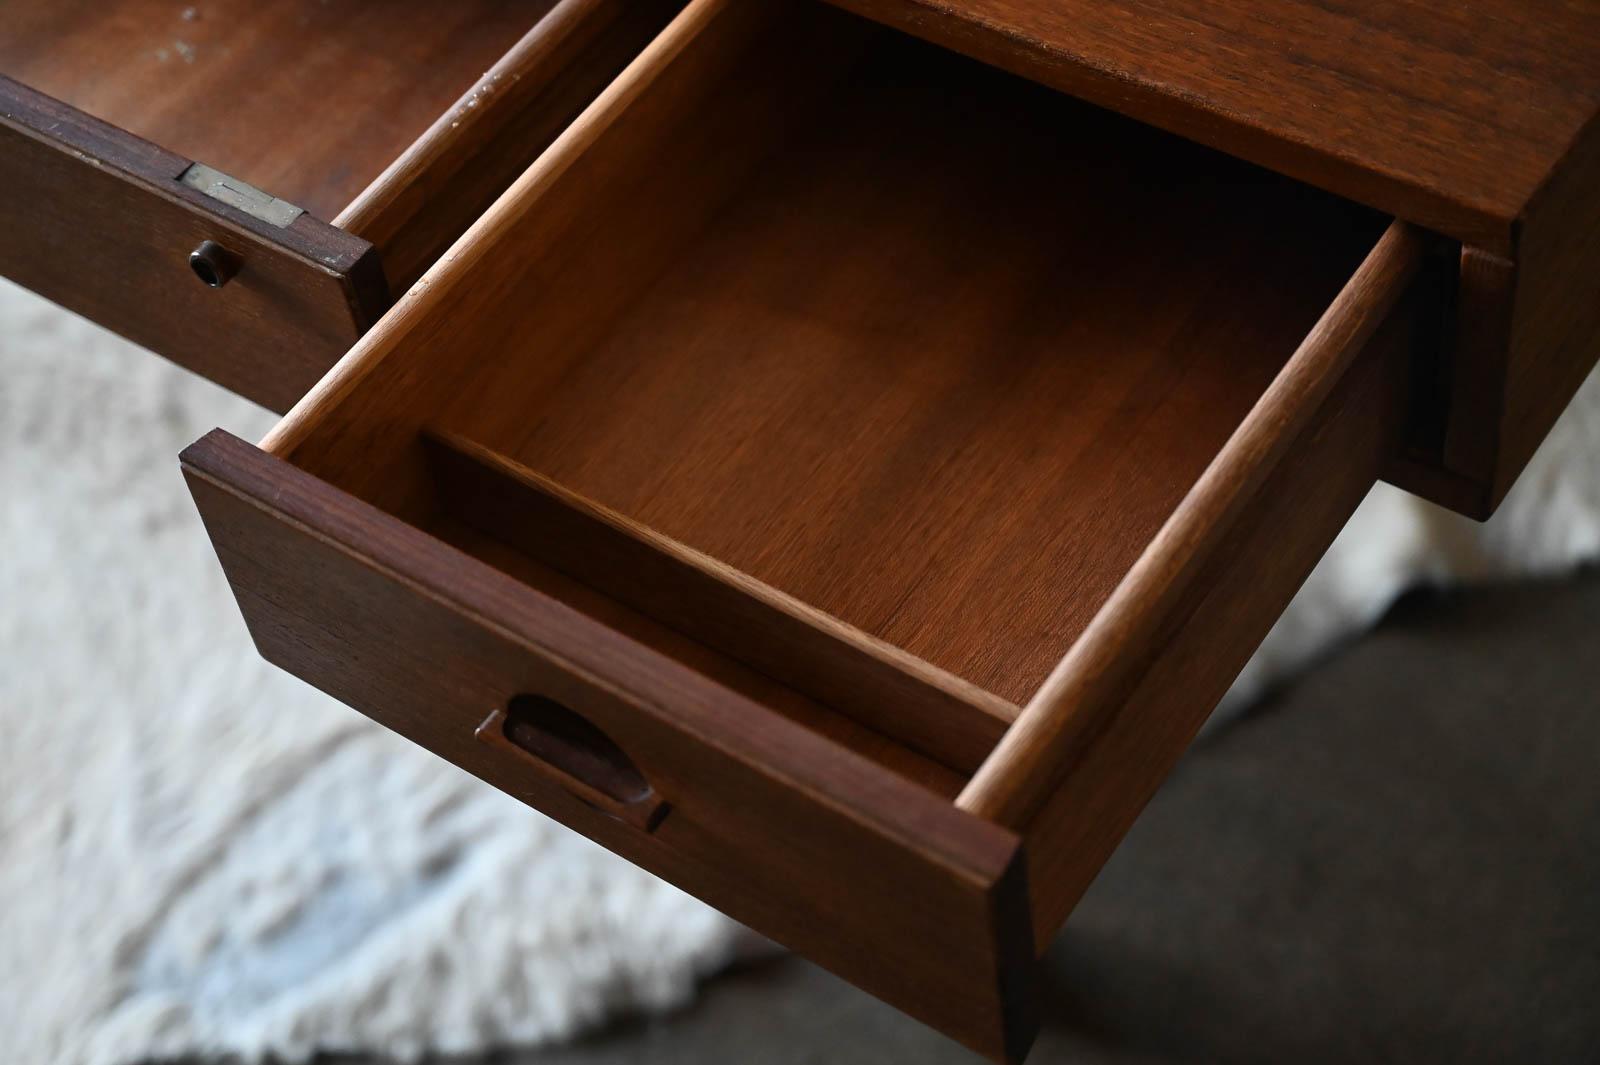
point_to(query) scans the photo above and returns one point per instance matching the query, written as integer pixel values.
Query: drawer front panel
(102, 223)
(809, 843)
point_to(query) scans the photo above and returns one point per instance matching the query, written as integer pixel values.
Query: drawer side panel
(1239, 595)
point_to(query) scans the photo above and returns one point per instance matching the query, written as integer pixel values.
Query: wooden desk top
(1453, 114)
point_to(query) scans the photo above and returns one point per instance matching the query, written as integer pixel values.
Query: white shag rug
(203, 855)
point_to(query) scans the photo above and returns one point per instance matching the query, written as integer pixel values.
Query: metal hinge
(235, 193)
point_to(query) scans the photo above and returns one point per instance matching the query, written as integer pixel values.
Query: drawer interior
(922, 351)
(314, 102)
(883, 461)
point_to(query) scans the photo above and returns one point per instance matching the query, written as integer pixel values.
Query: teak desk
(833, 455)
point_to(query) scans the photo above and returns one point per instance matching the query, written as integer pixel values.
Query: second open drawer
(839, 477)
(304, 160)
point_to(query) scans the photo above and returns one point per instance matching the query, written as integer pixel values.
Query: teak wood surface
(1236, 596)
(444, 180)
(845, 394)
(1479, 121)
(774, 824)
(307, 100)
(1108, 660)
(342, 110)
(977, 402)
(1451, 115)
(877, 464)
(96, 219)
(873, 682)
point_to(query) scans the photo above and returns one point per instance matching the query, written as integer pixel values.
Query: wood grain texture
(1117, 648)
(1478, 121)
(310, 102)
(307, 100)
(895, 339)
(1237, 596)
(902, 374)
(1453, 116)
(1529, 330)
(950, 419)
(705, 660)
(523, 227)
(953, 419)
(96, 220)
(345, 596)
(698, 596)
(428, 196)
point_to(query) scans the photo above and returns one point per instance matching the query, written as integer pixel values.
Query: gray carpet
(1396, 859)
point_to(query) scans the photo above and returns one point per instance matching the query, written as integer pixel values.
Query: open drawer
(302, 160)
(839, 477)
